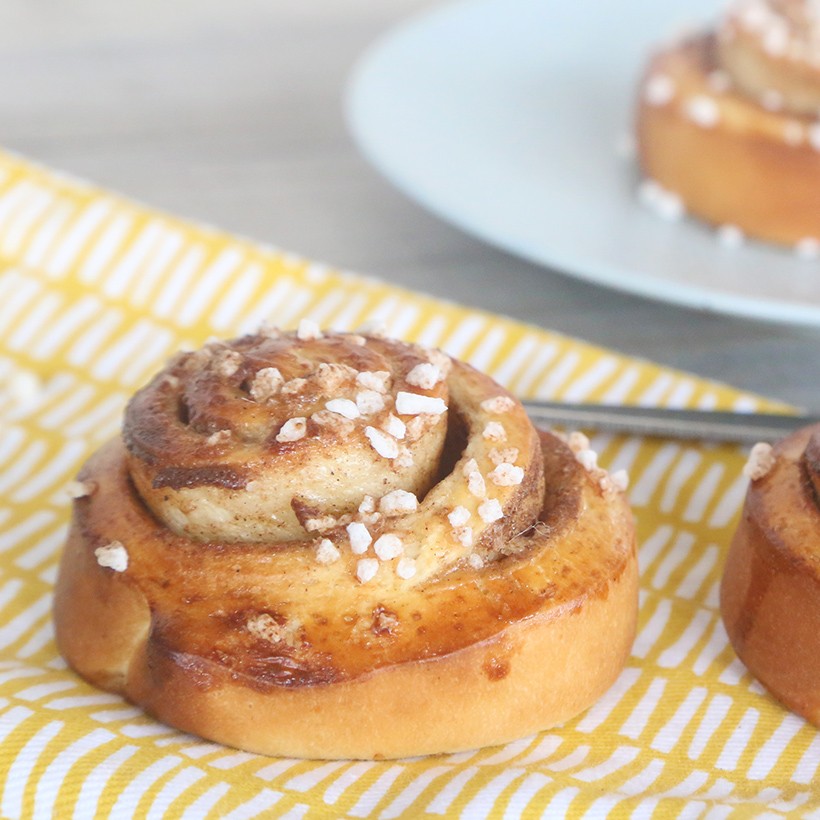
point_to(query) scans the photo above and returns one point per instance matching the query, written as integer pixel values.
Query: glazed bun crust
(736, 163)
(770, 591)
(459, 641)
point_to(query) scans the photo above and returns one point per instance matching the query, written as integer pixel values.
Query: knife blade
(665, 422)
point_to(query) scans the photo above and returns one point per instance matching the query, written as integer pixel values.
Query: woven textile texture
(95, 293)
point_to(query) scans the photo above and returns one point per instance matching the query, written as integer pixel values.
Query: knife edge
(666, 422)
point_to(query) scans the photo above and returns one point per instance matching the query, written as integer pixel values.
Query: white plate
(503, 116)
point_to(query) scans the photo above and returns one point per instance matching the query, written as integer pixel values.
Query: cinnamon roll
(341, 546)
(728, 127)
(770, 591)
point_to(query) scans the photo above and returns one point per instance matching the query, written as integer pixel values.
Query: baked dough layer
(284, 647)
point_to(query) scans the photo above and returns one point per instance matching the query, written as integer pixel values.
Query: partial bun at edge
(728, 160)
(770, 590)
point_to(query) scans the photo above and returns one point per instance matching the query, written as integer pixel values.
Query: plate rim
(356, 109)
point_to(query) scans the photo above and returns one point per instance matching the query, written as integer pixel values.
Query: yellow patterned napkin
(95, 292)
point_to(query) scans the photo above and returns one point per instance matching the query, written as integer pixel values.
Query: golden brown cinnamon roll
(332, 545)
(770, 591)
(728, 126)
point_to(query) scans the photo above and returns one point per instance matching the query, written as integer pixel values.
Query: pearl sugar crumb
(498, 404)
(395, 427)
(475, 561)
(406, 568)
(308, 330)
(494, 431)
(807, 248)
(81, 489)
(369, 402)
(620, 480)
(227, 362)
(424, 375)
(366, 569)
(659, 89)
(761, 460)
(588, 459)
(490, 511)
(464, 536)
(475, 481)
(359, 536)
(702, 110)
(666, 204)
(730, 236)
(386, 446)
(267, 382)
(388, 546)
(219, 437)
(398, 501)
(458, 516)
(292, 430)
(374, 380)
(344, 407)
(413, 404)
(112, 556)
(507, 475)
(505, 455)
(327, 552)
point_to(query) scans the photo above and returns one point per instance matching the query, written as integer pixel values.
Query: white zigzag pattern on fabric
(151, 263)
(56, 771)
(21, 769)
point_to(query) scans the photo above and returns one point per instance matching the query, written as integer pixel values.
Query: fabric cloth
(95, 293)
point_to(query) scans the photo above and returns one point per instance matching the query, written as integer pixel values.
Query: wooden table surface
(231, 113)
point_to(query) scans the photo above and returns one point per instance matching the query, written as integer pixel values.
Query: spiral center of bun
(785, 27)
(771, 51)
(802, 15)
(273, 437)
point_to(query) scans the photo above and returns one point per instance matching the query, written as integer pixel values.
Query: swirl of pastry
(270, 435)
(427, 572)
(771, 50)
(770, 590)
